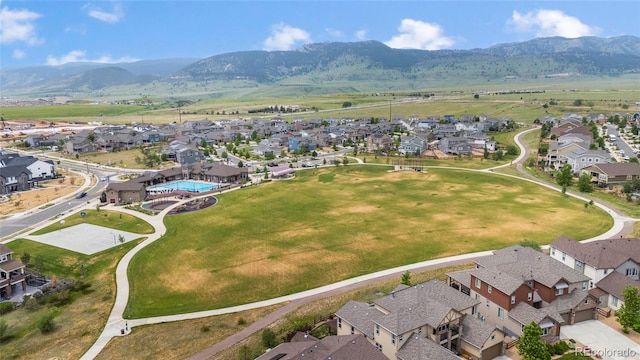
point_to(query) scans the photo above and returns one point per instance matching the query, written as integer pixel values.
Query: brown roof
(223, 170)
(615, 283)
(418, 347)
(619, 168)
(476, 332)
(601, 254)
(131, 185)
(4, 250)
(571, 301)
(11, 265)
(343, 347)
(525, 313)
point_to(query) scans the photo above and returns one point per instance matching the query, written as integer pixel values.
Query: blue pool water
(193, 186)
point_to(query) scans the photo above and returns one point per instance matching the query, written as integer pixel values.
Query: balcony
(16, 278)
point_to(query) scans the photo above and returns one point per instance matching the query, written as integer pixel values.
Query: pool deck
(191, 185)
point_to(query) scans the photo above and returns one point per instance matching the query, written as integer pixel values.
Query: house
(581, 158)
(126, 192)
(20, 173)
(611, 174)
(517, 285)
(224, 174)
(413, 145)
(421, 322)
(598, 260)
(341, 347)
(379, 142)
(455, 145)
(79, 145)
(12, 275)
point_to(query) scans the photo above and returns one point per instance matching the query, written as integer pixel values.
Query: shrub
(45, 323)
(205, 328)
(31, 305)
(5, 307)
(241, 321)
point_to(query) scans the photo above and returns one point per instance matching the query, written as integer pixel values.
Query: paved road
(116, 323)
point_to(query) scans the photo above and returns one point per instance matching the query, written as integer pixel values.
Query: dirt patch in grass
(405, 175)
(191, 279)
(360, 209)
(297, 231)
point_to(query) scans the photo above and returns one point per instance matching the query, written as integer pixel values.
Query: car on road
(81, 195)
(272, 164)
(307, 164)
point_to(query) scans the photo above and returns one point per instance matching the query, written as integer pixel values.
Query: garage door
(584, 315)
(492, 352)
(566, 317)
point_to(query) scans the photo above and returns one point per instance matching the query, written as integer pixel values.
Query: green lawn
(335, 223)
(111, 219)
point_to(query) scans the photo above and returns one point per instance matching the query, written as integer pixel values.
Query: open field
(597, 97)
(77, 324)
(131, 159)
(111, 219)
(335, 223)
(49, 191)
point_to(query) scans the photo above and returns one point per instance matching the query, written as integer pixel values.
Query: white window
(353, 330)
(400, 338)
(513, 299)
(529, 296)
(377, 329)
(478, 283)
(614, 301)
(3, 258)
(559, 291)
(564, 256)
(584, 285)
(579, 265)
(378, 346)
(500, 313)
(339, 323)
(632, 272)
(606, 271)
(476, 295)
(553, 251)
(489, 288)
(393, 338)
(545, 331)
(487, 302)
(474, 309)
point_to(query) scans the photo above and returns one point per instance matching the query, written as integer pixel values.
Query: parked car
(81, 195)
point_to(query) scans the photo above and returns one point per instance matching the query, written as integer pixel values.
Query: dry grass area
(49, 191)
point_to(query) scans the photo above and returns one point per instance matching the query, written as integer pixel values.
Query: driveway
(603, 340)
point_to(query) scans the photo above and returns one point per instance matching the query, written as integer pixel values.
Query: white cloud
(284, 37)
(18, 54)
(415, 34)
(334, 32)
(361, 34)
(109, 17)
(545, 23)
(81, 56)
(18, 26)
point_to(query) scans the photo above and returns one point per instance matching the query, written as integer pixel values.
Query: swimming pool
(187, 185)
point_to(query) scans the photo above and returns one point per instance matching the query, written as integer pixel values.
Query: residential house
(613, 286)
(413, 145)
(20, 173)
(341, 347)
(379, 142)
(581, 158)
(421, 322)
(300, 143)
(599, 259)
(611, 174)
(455, 145)
(517, 285)
(126, 192)
(79, 145)
(12, 275)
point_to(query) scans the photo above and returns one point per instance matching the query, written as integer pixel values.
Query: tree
(564, 177)
(485, 155)
(269, 338)
(103, 197)
(512, 150)
(121, 239)
(345, 160)
(531, 346)
(532, 244)
(324, 161)
(240, 164)
(346, 104)
(25, 258)
(39, 264)
(406, 278)
(224, 155)
(584, 183)
(476, 96)
(629, 313)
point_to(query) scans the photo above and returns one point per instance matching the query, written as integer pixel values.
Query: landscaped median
(335, 223)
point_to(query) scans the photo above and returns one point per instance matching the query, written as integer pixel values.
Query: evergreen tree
(406, 278)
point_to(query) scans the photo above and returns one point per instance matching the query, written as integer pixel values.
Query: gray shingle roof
(525, 313)
(361, 315)
(615, 283)
(420, 348)
(517, 264)
(476, 332)
(413, 297)
(428, 311)
(601, 254)
(570, 301)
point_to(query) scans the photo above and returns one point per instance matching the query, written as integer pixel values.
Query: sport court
(86, 239)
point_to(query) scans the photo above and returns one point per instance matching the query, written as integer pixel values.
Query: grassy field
(78, 323)
(521, 107)
(111, 219)
(131, 159)
(335, 223)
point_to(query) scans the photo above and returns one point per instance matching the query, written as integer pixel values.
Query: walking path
(117, 326)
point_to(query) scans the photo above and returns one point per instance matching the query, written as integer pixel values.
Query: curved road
(116, 322)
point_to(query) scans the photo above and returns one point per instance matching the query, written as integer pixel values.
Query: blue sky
(54, 32)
